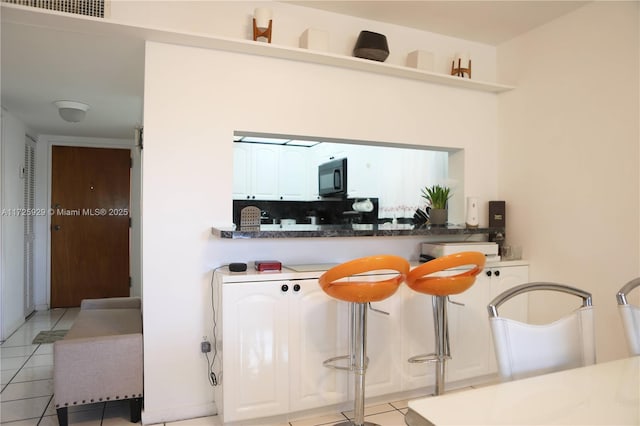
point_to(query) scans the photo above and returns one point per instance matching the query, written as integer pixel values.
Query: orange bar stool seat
(347, 283)
(364, 290)
(423, 279)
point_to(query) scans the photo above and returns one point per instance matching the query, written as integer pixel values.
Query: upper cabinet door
(293, 169)
(241, 171)
(265, 172)
(270, 172)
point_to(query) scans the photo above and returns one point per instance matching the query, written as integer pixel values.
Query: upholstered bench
(100, 358)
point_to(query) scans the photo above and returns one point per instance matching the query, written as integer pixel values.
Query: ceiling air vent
(79, 7)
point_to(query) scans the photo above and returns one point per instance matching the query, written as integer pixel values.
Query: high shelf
(83, 24)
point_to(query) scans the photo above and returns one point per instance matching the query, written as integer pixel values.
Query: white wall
(568, 157)
(12, 225)
(187, 181)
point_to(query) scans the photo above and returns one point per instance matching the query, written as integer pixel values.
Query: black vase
(372, 46)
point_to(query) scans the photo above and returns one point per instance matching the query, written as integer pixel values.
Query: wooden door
(89, 224)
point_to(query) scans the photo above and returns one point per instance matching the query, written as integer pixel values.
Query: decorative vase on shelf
(438, 217)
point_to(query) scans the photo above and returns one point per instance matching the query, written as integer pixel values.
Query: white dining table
(607, 393)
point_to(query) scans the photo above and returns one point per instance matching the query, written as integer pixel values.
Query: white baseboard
(151, 417)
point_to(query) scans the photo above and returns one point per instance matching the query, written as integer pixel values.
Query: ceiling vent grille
(79, 7)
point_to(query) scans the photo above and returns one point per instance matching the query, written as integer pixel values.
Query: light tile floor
(26, 397)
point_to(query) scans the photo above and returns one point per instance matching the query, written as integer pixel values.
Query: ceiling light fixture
(72, 111)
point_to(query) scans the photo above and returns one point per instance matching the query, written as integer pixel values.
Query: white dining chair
(524, 350)
(630, 315)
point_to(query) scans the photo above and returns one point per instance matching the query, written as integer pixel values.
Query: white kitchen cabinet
(278, 328)
(275, 336)
(255, 350)
(270, 172)
(364, 171)
(317, 331)
(255, 171)
(293, 173)
(242, 171)
(264, 181)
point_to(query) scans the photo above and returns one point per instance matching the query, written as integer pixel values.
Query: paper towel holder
(472, 220)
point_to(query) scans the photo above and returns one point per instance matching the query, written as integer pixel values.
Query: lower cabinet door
(318, 330)
(255, 344)
(469, 335)
(383, 375)
(417, 339)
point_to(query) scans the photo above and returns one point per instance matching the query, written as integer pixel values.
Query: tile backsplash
(332, 211)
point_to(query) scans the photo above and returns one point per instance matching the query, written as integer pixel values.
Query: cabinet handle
(488, 273)
(296, 287)
(284, 288)
(496, 273)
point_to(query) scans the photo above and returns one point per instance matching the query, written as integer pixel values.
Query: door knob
(57, 227)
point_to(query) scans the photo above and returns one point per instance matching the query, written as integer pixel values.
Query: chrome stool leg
(358, 362)
(443, 352)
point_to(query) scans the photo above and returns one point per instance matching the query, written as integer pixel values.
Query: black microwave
(332, 178)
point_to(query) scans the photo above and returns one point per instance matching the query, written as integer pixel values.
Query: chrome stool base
(443, 352)
(333, 363)
(350, 423)
(357, 360)
(432, 357)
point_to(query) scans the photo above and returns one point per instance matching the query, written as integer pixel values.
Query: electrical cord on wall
(211, 374)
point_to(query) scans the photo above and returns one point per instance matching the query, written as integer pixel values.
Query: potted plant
(437, 196)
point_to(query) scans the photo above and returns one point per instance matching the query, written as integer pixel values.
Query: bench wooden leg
(63, 418)
(135, 405)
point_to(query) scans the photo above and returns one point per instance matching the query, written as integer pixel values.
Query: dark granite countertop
(356, 230)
